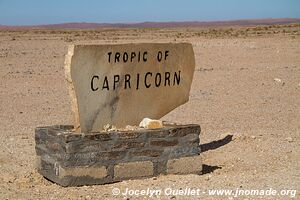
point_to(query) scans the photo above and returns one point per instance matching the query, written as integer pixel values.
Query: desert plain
(245, 95)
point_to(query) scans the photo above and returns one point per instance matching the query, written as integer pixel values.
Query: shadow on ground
(216, 144)
(211, 146)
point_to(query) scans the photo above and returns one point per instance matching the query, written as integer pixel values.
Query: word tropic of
(134, 56)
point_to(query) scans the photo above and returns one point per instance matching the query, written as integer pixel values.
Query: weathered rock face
(122, 84)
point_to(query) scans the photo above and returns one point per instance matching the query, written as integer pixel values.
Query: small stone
(113, 128)
(88, 197)
(253, 137)
(109, 127)
(207, 178)
(131, 128)
(279, 81)
(151, 123)
(289, 139)
(106, 127)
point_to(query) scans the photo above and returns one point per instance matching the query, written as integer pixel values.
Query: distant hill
(84, 25)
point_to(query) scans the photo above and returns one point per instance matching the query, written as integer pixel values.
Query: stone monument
(113, 88)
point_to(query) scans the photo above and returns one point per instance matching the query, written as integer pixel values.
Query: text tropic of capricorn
(149, 79)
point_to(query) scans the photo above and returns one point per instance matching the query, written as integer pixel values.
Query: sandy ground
(245, 95)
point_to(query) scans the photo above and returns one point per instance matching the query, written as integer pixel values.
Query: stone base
(73, 159)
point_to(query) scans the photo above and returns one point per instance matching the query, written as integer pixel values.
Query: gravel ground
(245, 95)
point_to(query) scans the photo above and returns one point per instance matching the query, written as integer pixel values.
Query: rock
(88, 197)
(289, 139)
(131, 128)
(121, 84)
(208, 177)
(279, 81)
(151, 123)
(109, 127)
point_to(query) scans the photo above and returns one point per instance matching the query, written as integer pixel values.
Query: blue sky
(30, 12)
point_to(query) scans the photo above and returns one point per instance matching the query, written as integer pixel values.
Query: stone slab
(95, 172)
(73, 159)
(133, 170)
(184, 165)
(122, 84)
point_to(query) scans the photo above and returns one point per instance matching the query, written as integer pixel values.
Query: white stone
(109, 127)
(121, 84)
(151, 123)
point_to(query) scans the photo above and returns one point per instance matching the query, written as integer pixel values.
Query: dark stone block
(127, 145)
(128, 135)
(147, 153)
(182, 151)
(88, 146)
(164, 143)
(93, 158)
(181, 132)
(190, 139)
(160, 167)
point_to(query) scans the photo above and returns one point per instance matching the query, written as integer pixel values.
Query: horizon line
(159, 22)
